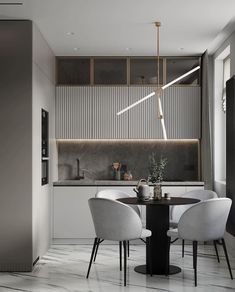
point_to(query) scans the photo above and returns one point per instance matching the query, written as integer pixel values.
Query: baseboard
(15, 267)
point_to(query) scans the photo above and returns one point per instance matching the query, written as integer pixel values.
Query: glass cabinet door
(110, 71)
(144, 71)
(179, 66)
(73, 71)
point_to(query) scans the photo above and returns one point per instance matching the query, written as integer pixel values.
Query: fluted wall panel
(182, 112)
(74, 112)
(181, 107)
(90, 113)
(143, 122)
(107, 101)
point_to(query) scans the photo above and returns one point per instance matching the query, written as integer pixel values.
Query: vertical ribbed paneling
(143, 122)
(90, 113)
(107, 101)
(182, 109)
(73, 112)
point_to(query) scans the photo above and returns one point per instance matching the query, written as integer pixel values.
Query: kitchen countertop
(121, 183)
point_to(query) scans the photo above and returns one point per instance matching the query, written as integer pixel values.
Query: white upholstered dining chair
(114, 194)
(115, 221)
(204, 221)
(177, 211)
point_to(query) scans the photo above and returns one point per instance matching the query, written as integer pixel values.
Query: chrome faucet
(78, 171)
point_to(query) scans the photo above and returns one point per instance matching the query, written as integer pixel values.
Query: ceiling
(125, 27)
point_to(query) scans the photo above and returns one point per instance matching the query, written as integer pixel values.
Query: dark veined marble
(96, 158)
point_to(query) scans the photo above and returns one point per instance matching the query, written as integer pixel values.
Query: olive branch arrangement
(156, 168)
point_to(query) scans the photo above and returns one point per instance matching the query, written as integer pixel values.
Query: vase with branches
(156, 173)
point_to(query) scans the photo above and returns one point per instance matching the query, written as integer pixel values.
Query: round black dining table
(157, 220)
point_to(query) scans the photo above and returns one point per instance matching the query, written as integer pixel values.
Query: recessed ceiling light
(128, 49)
(11, 3)
(70, 33)
(76, 49)
(180, 49)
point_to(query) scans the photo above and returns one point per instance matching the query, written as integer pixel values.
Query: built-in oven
(45, 148)
(45, 172)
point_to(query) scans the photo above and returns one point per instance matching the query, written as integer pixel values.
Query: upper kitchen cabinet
(143, 121)
(91, 112)
(74, 112)
(114, 71)
(113, 83)
(106, 102)
(110, 71)
(181, 108)
(144, 71)
(176, 67)
(182, 112)
(73, 71)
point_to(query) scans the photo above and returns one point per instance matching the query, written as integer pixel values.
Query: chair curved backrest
(114, 220)
(202, 195)
(205, 221)
(113, 194)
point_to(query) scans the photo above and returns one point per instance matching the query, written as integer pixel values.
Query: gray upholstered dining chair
(177, 211)
(204, 221)
(115, 194)
(115, 221)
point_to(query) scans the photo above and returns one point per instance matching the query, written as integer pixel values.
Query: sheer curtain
(206, 140)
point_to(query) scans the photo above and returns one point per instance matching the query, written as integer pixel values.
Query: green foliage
(156, 168)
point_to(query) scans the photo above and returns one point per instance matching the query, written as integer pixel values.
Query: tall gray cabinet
(26, 87)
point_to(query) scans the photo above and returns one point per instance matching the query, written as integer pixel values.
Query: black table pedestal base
(142, 270)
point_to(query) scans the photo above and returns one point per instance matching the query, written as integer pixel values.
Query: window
(226, 76)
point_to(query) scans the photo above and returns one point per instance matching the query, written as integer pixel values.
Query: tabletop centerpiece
(156, 174)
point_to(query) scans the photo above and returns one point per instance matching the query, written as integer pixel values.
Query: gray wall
(97, 157)
(16, 145)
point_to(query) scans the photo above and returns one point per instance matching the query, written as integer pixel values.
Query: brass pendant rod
(158, 24)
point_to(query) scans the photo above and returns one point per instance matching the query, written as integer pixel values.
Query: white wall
(43, 97)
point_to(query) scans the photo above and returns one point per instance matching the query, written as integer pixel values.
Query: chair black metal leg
(120, 254)
(195, 261)
(227, 259)
(92, 255)
(97, 247)
(128, 248)
(143, 240)
(182, 248)
(124, 247)
(216, 251)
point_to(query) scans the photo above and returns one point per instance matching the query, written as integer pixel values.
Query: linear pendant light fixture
(159, 89)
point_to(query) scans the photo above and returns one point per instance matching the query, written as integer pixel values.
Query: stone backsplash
(96, 158)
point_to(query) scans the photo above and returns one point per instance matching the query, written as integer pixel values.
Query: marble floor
(64, 268)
